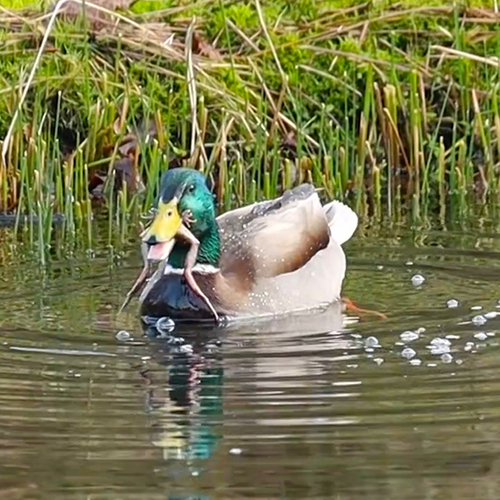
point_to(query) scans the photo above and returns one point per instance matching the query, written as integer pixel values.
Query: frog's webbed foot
(187, 218)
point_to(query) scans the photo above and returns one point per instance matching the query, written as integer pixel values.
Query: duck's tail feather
(342, 221)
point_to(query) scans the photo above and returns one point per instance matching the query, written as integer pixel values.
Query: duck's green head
(182, 190)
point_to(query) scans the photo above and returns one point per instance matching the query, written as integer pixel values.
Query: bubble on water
(431, 365)
(417, 280)
(195, 473)
(459, 361)
(409, 336)
(145, 358)
(476, 308)
(102, 366)
(409, 263)
(149, 320)
(490, 334)
(481, 336)
(236, 451)
(438, 341)
(479, 320)
(452, 303)
(491, 314)
(369, 349)
(447, 358)
(165, 326)
(452, 337)
(77, 375)
(439, 346)
(380, 268)
(379, 361)
(186, 349)
(408, 353)
(123, 336)
(468, 346)
(415, 362)
(372, 342)
(176, 340)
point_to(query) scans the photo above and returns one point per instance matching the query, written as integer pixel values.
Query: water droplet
(439, 346)
(415, 362)
(491, 314)
(236, 451)
(372, 342)
(447, 358)
(123, 336)
(452, 303)
(186, 349)
(408, 353)
(409, 336)
(440, 341)
(481, 336)
(479, 320)
(417, 280)
(165, 326)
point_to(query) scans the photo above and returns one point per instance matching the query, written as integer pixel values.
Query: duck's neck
(208, 252)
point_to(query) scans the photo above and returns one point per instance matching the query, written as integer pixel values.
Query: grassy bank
(392, 107)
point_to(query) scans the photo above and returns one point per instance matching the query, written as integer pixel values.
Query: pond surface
(303, 408)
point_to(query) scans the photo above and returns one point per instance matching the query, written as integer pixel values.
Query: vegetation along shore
(392, 107)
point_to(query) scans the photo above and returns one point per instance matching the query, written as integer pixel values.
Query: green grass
(394, 109)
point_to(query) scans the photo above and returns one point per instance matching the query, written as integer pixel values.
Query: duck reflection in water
(185, 399)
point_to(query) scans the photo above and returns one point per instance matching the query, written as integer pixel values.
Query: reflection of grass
(390, 107)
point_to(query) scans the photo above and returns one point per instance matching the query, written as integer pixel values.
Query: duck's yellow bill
(162, 231)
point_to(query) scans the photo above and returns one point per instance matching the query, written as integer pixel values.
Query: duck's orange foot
(351, 307)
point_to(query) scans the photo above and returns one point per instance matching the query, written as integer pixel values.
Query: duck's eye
(169, 213)
(191, 188)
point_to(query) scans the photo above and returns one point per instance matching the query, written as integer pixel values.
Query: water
(303, 408)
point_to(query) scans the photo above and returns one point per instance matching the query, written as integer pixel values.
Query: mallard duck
(268, 258)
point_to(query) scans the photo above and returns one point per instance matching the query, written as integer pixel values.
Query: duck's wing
(274, 237)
